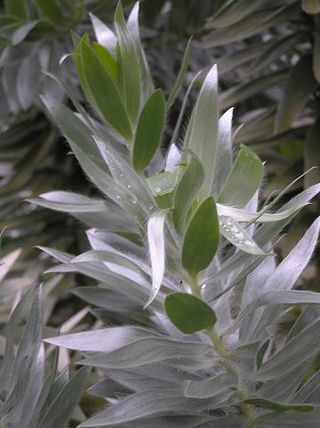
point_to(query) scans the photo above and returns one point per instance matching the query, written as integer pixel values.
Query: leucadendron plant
(195, 303)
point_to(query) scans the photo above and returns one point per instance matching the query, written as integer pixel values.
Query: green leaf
(108, 60)
(149, 131)
(147, 85)
(186, 191)
(255, 23)
(16, 8)
(201, 239)
(279, 407)
(189, 313)
(51, 11)
(229, 14)
(202, 131)
(129, 65)
(244, 179)
(241, 92)
(273, 52)
(240, 57)
(103, 89)
(300, 85)
(179, 81)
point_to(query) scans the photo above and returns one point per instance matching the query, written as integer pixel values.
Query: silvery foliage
(244, 371)
(32, 393)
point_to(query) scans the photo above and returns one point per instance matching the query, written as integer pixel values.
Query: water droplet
(134, 201)
(117, 197)
(129, 186)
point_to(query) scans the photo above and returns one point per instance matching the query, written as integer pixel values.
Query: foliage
(32, 394)
(272, 72)
(181, 233)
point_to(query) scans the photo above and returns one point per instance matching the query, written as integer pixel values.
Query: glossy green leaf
(201, 239)
(202, 131)
(149, 131)
(186, 191)
(246, 174)
(189, 313)
(103, 89)
(300, 85)
(279, 407)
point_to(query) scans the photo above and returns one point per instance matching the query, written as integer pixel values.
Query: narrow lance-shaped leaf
(201, 239)
(103, 89)
(157, 251)
(244, 179)
(147, 86)
(130, 67)
(229, 14)
(189, 313)
(224, 152)
(186, 191)
(104, 35)
(149, 131)
(238, 236)
(202, 131)
(279, 407)
(300, 84)
(179, 81)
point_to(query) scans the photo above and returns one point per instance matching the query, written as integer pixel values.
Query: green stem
(195, 288)
(223, 353)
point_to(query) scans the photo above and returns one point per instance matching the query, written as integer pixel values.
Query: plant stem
(223, 353)
(195, 288)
